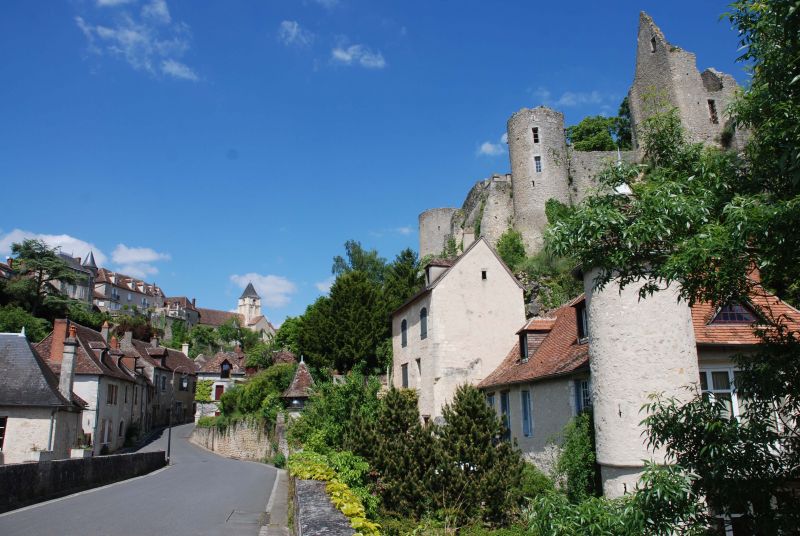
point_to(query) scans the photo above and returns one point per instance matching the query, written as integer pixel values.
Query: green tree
(593, 133)
(13, 319)
(286, 338)
(38, 271)
(404, 278)
(360, 260)
(360, 324)
(622, 128)
(701, 219)
(576, 462)
(477, 476)
(314, 334)
(510, 248)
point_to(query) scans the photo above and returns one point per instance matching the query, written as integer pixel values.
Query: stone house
(181, 308)
(117, 293)
(609, 351)
(40, 414)
(454, 331)
(115, 394)
(83, 290)
(224, 369)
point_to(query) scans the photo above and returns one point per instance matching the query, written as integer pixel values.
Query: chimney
(127, 340)
(104, 331)
(114, 343)
(194, 302)
(185, 348)
(154, 341)
(67, 374)
(59, 334)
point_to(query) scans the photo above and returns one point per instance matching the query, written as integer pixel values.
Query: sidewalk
(278, 507)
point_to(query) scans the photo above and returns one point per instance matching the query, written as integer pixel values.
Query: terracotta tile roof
(559, 353)
(213, 365)
(284, 356)
(301, 383)
(538, 324)
(768, 305)
(128, 283)
(214, 317)
(446, 263)
(181, 301)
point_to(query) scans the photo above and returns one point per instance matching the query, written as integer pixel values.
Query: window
(129, 296)
(712, 111)
(163, 383)
(490, 400)
(535, 134)
(719, 384)
(404, 374)
(3, 421)
(111, 395)
(583, 321)
(483, 275)
(419, 368)
(583, 395)
(126, 394)
(218, 390)
(523, 347)
(505, 414)
(734, 313)
(121, 428)
(537, 161)
(527, 420)
(423, 324)
(135, 394)
(404, 333)
(652, 44)
(226, 370)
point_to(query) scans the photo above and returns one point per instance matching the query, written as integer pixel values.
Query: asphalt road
(199, 494)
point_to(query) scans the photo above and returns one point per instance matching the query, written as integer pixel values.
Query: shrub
(205, 422)
(533, 482)
(510, 248)
(203, 392)
(576, 462)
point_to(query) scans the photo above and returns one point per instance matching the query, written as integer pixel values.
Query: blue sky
(204, 144)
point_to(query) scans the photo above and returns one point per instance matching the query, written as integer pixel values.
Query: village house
(181, 308)
(117, 293)
(296, 395)
(86, 271)
(40, 415)
(609, 351)
(248, 314)
(455, 330)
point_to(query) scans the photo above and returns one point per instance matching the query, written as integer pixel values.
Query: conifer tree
(476, 474)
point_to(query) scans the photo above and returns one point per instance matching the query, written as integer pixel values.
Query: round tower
(434, 230)
(636, 348)
(537, 148)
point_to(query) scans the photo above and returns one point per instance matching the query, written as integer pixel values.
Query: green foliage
(138, 325)
(555, 283)
(206, 421)
(534, 482)
(13, 319)
(360, 260)
(259, 355)
(576, 463)
(510, 248)
(332, 411)
(593, 133)
(82, 314)
(450, 250)
(555, 210)
(623, 133)
(478, 221)
(287, 335)
(476, 476)
(203, 390)
(260, 395)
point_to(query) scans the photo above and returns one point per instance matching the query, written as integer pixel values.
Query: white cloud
(68, 244)
(488, 148)
(112, 3)
(325, 285)
(291, 33)
(358, 55)
(275, 290)
(177, 69)
(504, 137)
(151, 43)
(405, 231)
(329, 4)
(570, 99)
(158, 11)
(137, 262)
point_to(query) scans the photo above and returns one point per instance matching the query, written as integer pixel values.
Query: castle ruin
(544, 166)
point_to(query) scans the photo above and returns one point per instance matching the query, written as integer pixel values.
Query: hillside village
(514, 373)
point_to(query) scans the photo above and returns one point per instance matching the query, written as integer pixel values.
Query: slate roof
(249, 292)
(213, 364)
(89, 261)
(27, 380)
(301, 383)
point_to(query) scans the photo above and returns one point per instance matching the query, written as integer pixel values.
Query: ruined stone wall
(434, 230)
(534, 186)
(584, 167)
(498, 209)
(241, 441)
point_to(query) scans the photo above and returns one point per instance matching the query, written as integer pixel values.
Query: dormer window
(225, 370)
(582, 321)
(734, 313)
(523, 347)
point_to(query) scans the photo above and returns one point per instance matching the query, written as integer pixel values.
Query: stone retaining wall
(27, 483)
(314, 514)
(241, 441)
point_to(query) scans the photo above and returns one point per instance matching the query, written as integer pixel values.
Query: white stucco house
(455, 330)
(40, 414)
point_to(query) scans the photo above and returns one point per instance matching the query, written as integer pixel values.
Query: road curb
(276, 522)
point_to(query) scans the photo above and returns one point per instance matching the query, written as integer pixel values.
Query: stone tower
(636, 347)
(249, 304)
(667, 75)
(537, 148)
(435, 229)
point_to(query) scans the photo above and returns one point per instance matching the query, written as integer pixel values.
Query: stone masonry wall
(584, 167)
(241, 441)
(498, 211)
(434, 230)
